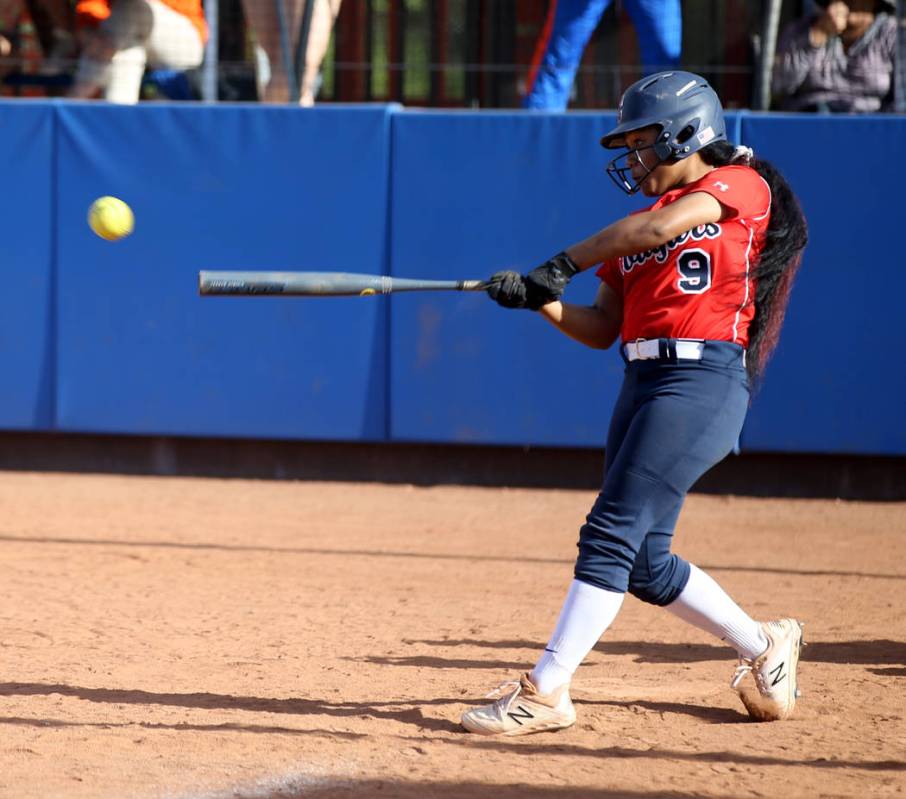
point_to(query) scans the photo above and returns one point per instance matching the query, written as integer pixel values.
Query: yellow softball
(110, 218)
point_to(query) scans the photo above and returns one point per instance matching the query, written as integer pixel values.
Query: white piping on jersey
(745, 298)
(770, 200)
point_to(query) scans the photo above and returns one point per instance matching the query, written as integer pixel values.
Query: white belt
(651, 348)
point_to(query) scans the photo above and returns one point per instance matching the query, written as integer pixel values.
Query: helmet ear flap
(688, 131)
(673, 146)
(662, 147)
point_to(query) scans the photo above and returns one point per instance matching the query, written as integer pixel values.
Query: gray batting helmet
(685, 108)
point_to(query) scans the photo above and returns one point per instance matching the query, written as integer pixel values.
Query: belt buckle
(638, 352)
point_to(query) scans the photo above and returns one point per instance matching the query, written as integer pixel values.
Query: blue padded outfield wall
(113, 337)
(220, 188)
(27, 322)
(832, 385)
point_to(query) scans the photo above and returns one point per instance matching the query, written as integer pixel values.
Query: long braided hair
(785, 239)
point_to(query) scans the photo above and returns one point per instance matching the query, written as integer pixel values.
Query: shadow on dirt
(459, 790)
(429, 662)
(881, 652)
(403, 711)
(713, 715)
(383, 553)
(266, 729)
(530, 749)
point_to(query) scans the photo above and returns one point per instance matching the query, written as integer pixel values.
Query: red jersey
(699, 284)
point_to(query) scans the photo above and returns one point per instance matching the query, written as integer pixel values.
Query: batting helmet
(685, 108)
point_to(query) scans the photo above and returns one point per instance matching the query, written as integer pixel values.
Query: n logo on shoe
(777, 674)
(523, 713)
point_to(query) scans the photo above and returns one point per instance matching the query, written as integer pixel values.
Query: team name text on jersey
(699, 232)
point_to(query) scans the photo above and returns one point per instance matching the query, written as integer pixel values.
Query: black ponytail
(786, 237)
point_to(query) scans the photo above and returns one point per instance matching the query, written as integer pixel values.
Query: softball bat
(321, 284)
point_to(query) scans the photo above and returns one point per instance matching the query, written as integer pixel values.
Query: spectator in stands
(54, 25)
(839, 59)
(262, 17)
(567, 30)
(122, 37)
(54, 22)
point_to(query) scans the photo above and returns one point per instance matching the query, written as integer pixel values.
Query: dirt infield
(173, 637)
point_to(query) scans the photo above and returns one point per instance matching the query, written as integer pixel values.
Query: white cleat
(521, 710)
(774, 694)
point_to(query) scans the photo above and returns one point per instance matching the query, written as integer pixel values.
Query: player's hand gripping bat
(321, 284)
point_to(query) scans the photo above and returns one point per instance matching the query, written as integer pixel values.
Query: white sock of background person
(587, 612)
(704, 604)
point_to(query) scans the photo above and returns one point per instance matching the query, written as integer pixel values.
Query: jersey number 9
(694, 267)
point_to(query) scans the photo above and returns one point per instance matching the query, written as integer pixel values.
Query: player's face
(632, 169)
(655, 177)
(644, 165)
(640, 168)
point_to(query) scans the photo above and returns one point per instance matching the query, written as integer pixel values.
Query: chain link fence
(438, 53)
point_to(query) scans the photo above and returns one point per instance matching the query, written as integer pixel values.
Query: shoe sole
(550, 726)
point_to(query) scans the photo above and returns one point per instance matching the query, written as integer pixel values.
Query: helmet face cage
(619, 170)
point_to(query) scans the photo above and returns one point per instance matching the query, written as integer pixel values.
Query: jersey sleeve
(610, 273)
(739, 188)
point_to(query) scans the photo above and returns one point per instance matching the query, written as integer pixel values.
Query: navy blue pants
(672, 422)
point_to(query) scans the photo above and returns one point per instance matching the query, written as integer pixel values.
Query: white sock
(587, 612)
(704, 604)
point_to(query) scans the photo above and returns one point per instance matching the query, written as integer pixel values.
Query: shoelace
(744, 668)
(747, 666)
(503, 689)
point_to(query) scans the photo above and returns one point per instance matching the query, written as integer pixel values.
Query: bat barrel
(328, 284)
(320, 284)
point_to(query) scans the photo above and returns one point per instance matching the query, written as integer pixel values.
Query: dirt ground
(172, 637)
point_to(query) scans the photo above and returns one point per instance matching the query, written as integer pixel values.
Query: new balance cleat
(773, 696)
(521, 710)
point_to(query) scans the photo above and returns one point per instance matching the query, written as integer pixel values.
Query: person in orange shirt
(122, 37)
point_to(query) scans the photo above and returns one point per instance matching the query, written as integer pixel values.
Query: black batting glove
(546, 283)
(507, 289)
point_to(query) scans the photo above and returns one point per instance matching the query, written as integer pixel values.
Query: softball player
(696, 286)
